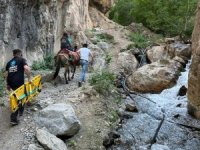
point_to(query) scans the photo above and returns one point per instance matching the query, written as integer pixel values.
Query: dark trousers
(13, 116)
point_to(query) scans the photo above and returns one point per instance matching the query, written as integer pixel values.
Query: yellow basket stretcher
(25, 93)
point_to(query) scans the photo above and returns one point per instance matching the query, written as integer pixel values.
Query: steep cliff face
(194, 76)
(102, 5)
(36, 26)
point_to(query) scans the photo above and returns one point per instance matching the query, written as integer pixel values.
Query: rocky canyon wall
(102, 5)
(36, 26)
(194, 75)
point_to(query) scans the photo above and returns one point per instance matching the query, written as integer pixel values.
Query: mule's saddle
(73, 57)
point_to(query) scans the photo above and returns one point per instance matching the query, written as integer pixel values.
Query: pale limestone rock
(169, 51)
(194, 75)
(131, 107)
(98, 57)
(180, 60)
(157, 53)
(155, 77)
(59, 119)
(179, 49)
(101, 21)
(50, 141)
(36, 27)
(127, 62)
(169, 40)
(104, 46)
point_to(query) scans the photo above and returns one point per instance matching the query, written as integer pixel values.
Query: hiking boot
(20, 114)
(14, 123)
(79, 84)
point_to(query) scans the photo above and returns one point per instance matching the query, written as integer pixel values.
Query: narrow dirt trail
(90, 109)
(20, 136)
(122, 41)
(12, 138)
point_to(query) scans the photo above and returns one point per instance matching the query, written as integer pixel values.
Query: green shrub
(105, 37)
(130, 46)
(71, 143)
(46, 63)
(113, 116)
(37, 65)
(103, 82)
(167, 17)
(108, 58)
(49, 61)
(142, 41)
(122, 12)
(90, 32)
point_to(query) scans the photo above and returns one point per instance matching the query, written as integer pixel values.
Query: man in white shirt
(84, 61)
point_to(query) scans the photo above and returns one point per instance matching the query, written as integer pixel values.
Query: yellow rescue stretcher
(25, 93)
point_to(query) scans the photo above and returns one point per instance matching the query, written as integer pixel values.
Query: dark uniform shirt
(15, 68)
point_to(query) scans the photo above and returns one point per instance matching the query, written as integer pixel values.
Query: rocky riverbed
(178, 131)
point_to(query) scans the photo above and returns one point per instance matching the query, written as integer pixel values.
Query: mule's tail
(58, 65)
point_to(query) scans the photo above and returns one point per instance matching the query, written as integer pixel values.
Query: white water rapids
(168, 97)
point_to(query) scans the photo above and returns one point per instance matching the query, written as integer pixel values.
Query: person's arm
(27, 71)
(78, 51)
(91, 55)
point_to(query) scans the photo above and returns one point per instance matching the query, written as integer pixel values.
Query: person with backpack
(84, 53)
(15, 69)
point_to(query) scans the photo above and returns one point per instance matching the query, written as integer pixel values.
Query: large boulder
(59, 119)
(169, 51)
(127, 62)
(180, 60)
(50, 141)
(104, 46)
(179, 49)
(157, 53)
(155, 77)
(98, 56)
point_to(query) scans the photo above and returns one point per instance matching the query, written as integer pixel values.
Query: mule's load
(25, 93)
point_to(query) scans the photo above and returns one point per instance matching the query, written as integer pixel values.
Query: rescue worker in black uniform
(16, 68)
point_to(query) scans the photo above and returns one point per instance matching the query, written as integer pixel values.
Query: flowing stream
(175, 133)
(168, 98)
